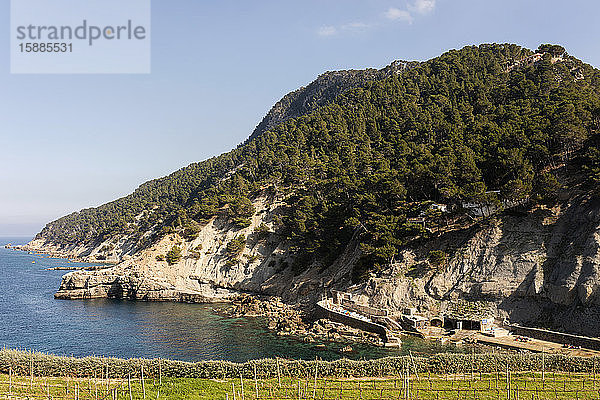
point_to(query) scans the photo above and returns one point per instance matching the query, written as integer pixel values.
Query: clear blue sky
(73, 141)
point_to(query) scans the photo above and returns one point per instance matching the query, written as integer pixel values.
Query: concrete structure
(328, 310)
(468, 322)
(414, 322)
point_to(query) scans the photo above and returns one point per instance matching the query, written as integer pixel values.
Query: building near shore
(468, 316)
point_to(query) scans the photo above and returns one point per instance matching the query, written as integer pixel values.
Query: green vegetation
(437, 258)
(174, 255)
(196, 252)
(240, 210)
(474, 125)
(262, 230)
(446, 376)
(522, 385)
(235, 247)
(20, 362)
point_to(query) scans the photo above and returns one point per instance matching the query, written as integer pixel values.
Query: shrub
(196, 251)
(236, 246)
(437, 258)
(262, 231)
(240, 211)
(23, 363)
(191, 230)
(174, 255)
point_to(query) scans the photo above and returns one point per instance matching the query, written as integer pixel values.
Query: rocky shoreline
(56, 254)
(287, 320)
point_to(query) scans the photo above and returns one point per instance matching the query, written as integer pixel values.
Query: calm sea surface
(30, 318)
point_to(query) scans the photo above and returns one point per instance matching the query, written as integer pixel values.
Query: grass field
(500, 385)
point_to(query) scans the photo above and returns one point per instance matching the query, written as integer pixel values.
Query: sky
(73, 141)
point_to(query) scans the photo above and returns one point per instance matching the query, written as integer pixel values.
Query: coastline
(297, 320)
(283, 319)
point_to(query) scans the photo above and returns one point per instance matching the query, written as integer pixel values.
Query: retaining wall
(556, 337)
(323, 312)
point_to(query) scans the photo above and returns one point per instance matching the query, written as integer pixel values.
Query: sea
(31, 319)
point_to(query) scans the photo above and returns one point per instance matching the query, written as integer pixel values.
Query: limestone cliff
(540, 267)
(206, 272)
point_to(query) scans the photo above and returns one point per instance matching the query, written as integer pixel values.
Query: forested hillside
(481, 125)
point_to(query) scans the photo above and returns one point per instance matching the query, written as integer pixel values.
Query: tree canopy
(476, 125)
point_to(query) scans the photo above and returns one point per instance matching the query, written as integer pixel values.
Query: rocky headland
(440, 186)
(538, 267)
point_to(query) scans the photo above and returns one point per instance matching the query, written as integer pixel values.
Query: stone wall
(363, 309)
(556, 337)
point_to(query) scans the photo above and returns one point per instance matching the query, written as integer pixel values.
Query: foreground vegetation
(440, 376)
(504, 384)
(39, 364)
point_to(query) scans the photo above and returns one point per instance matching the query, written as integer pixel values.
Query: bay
(31, 319)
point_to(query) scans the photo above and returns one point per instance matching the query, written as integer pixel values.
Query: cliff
(206, 270)
(540, 267)
(324, 90)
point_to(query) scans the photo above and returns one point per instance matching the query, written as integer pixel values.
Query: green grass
(520, 385)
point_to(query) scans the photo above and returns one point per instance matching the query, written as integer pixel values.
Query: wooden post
(31, 373)
(242, 384)
(315, 385)
(543, 368)
(414, 364)
(496, 368)
(256, 380)
(143, 384)
(507, 383)
(472, 363)
(278, 373)
(233, 390)
(129, 385)
(160, 372)
(10, 381)
(594, 371)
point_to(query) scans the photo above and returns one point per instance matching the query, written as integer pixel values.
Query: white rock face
(541, 268)
(205, 272)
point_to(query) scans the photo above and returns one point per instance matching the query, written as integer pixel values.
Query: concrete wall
(363, 309)
(323, 312)
(556, 337)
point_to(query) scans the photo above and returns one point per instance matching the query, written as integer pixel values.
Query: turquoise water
(30, 318)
